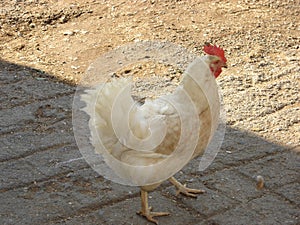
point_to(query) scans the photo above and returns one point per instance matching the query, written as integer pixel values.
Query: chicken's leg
(184, 190)
(146, 210)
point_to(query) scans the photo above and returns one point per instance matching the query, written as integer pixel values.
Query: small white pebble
(260, 182)
(68, 32)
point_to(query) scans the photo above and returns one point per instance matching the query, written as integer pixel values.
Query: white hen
(149, 143)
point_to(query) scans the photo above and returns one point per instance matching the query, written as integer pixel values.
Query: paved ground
(44, 180)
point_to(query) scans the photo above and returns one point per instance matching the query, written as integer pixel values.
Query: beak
(225, 65)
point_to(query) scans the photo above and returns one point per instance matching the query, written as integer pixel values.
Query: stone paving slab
(20, 144)
(277, 170)
(17, 173)
(268, 209)
(28, 205)
(44, 179)
(50, 111)
(58, 160)
(290, 192)
(233, 184)
(120, 213)
(31, 89)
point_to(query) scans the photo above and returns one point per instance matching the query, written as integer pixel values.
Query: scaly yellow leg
(146, 210)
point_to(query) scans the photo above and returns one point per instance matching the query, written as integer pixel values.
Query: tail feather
(99, 104)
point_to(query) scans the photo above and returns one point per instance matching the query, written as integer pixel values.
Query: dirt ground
(260, 37)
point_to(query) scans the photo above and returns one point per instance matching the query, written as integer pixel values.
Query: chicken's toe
(189, 191)
(150, 215)
(182, 189)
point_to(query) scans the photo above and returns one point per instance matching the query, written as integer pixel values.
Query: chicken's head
(216, 58)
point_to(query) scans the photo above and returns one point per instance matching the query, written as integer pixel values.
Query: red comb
(215, 50)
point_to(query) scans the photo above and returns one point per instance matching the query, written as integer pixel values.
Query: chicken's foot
(182, 189)
(146, 210)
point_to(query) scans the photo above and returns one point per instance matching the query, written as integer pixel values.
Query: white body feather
(143, 135)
